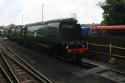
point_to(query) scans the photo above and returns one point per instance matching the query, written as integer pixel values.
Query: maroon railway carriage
(111, 30)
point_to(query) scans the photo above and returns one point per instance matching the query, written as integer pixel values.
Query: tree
(114, 12)
(11, 26)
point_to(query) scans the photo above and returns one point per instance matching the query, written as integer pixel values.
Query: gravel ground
(54, 69)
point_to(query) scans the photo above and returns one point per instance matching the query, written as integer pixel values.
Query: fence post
(111, 59)
(110, 50)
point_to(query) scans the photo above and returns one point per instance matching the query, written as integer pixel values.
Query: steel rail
(13, 76)
(37, 74)
(5, 75)
(11, 60)
(25, 63)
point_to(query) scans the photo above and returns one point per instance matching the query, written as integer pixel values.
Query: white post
(42, 11)
(110, 50)
(22, 19)
(111, 59)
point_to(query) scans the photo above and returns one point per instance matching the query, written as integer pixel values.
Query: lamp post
(22, 19)
(42, 11)
(73, 15)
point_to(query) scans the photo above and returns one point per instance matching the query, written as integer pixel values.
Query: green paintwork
(18, 32)
(45, 33)
(49, 31)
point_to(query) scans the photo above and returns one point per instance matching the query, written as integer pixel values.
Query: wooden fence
(109, 51)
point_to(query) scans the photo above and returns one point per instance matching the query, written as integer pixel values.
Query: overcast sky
(11, 11)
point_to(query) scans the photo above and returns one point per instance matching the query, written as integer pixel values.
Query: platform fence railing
(109, 51)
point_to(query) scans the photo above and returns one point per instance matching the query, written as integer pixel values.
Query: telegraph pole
(42, 11)
(22, 19)
(73, 15)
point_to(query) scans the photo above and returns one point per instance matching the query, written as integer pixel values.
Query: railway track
(20, 70)
(90, 68)
(4, 78)
(5, 66)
